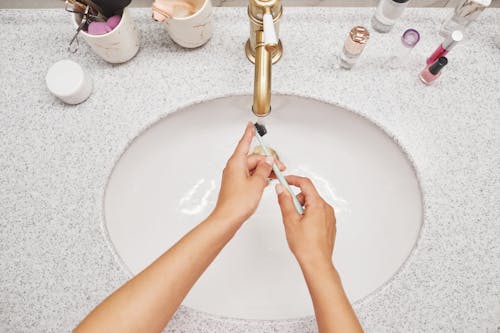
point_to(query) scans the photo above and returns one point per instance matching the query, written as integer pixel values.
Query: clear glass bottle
(387, 13)
(464, 14)
(401, 54)
(354, 46)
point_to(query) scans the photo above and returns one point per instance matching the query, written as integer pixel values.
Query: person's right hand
(310, 236)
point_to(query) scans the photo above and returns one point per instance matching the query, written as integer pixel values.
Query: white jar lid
(67, 80)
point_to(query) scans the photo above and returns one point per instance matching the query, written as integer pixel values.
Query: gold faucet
(263, 48)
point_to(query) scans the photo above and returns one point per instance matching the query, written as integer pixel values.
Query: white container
(387, 13)
(117, 46)
(67, 80)
(194, 30)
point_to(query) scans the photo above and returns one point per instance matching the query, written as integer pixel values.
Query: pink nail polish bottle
(443, 49)
(432, 72)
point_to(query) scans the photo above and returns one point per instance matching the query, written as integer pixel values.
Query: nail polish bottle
(387, 13)
(446, 46)
(354, 46)
(464, 14)
(432, 72)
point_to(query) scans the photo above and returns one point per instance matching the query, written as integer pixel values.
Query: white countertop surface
(55, 261)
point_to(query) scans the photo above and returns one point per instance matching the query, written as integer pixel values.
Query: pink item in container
(113, 21)
(99, 28)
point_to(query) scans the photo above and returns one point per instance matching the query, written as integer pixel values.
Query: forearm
(147, 302)
(333, 311)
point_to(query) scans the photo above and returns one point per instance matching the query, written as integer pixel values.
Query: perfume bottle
(432, 72)
(464, 14)
(401, 54)
(446, 46)
(387, 13)
(354, 46)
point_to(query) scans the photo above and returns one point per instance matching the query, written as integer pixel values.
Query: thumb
(263, 171)
(286, 204)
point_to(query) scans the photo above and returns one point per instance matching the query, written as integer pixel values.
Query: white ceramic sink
(167, 181)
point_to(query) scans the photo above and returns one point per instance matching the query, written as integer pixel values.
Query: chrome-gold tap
(263, 48)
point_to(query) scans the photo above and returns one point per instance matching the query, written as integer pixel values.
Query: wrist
(226, 219)
(315, 264)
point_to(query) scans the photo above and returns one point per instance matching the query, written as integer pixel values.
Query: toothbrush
(260, 131)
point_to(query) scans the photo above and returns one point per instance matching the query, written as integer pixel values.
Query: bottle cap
(356, 40)
(410, 38)
(436, 67)
(359, 34)
(452, 40)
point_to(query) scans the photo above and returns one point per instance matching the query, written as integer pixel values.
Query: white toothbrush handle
(280, 177)
(283, 182)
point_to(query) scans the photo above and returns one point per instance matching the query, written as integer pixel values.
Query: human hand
(243, 181)
(310, 236)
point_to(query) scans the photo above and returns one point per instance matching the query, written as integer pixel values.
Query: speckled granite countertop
(55, 263)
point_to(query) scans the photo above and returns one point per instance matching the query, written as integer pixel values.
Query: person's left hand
(243, 181)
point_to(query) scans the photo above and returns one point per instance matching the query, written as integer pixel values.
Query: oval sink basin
(167, 181)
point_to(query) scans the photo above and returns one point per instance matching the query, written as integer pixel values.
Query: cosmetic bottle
(464, 14)
(387, 13)
(401, 54)
(445, 47)
(354, 46)
(432, 72)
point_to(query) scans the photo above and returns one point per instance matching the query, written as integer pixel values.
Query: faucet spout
(262, 79)
(263, 48)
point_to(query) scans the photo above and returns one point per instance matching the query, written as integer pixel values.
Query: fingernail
(279, 189)
(270, 160)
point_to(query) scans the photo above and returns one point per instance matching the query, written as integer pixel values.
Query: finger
(305, 184)
(331, 213)
(253, 160)
(273, 175)
(263, 171)
(280, 165)
(288, 210)
(301, 198)
(307, 188)
(246, 140)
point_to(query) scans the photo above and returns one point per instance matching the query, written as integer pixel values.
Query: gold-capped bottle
(354, 46)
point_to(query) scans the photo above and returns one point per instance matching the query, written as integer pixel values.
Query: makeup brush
(112, 7)
(260, 131)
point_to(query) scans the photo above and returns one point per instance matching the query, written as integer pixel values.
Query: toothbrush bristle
(261, 129)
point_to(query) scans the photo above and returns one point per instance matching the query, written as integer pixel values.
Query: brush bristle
(261, 129)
